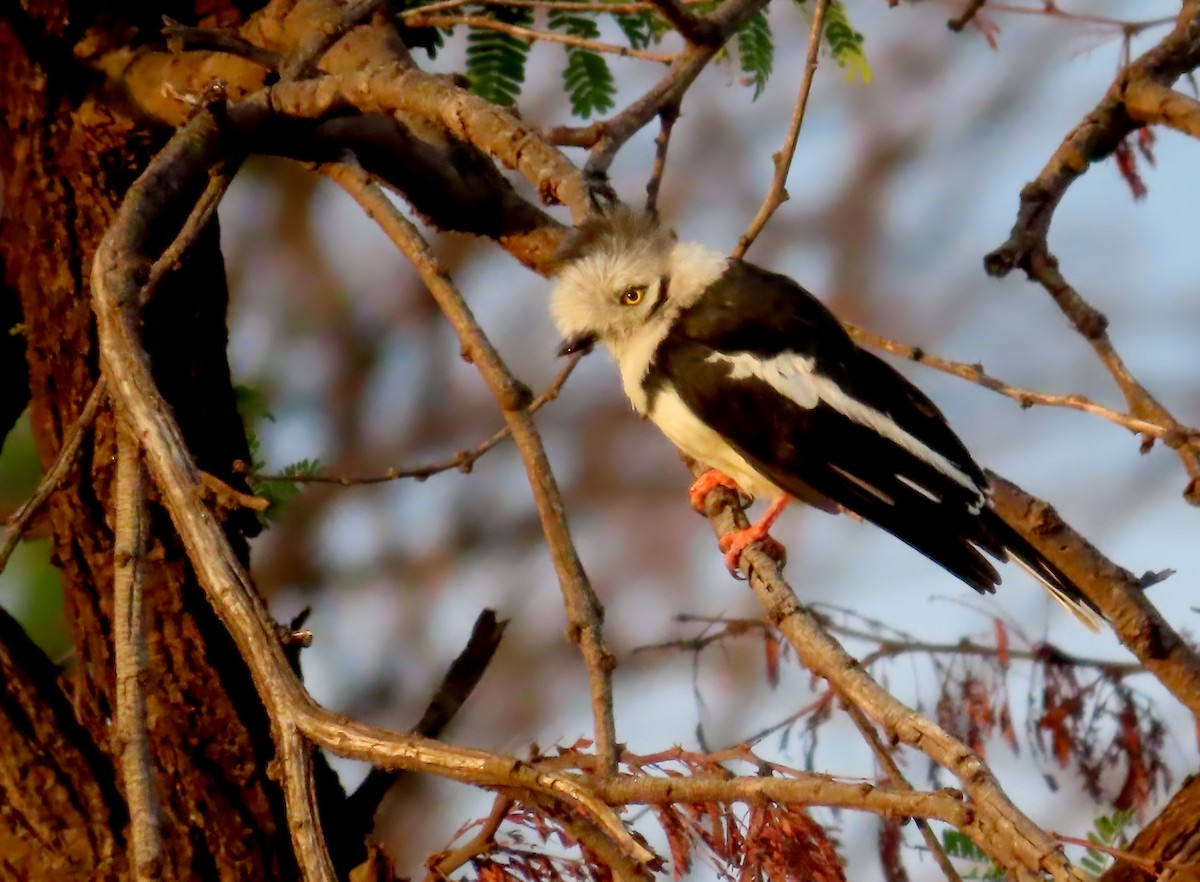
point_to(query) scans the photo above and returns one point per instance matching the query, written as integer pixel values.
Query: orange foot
(706, 483)
(734, 543)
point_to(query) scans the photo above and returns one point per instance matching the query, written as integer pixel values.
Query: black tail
(1008, 543)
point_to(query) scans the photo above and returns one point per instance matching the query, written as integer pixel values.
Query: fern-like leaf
(280, 493)
(845, 44)
(576, 24)
(496, 60)
(589, 83)
(756, 50)
(1108, 830)
(637, 27)
(588, 80)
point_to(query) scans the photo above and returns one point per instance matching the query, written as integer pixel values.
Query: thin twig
(129, 651)
(219, 40)
(611, 8)
(1131, 28)
(1155, 868)
(457, 684)
(477, 845)
(584, 611)
(666, 122)
(1025, 397)
(867, 729)
(960, 21)
(777, 193)
(605, 137)
(889, 647)
(203, 212)
(532, 35)
(53, 479)
(463, 460)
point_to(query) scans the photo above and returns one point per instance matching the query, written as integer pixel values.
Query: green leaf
(756, 50)
(979, 866)
(638, 28)
(252, 405)
(845, 44)
(575, 24)
(588, 80)
(1107, 830)
(280, 492)
(589, 83)
(495, 60)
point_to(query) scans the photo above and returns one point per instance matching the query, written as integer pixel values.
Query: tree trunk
(69, 153)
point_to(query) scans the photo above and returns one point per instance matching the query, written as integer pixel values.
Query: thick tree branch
(116, 285)
(1006, 835)
(129, 651)
(1118, 594)
(1171, 836)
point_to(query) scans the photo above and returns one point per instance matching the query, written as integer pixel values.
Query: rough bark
(1171, 837)
(68, 156)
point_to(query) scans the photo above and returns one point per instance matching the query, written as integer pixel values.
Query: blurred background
(899, 188)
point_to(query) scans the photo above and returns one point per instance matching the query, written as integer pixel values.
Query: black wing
(936, 504)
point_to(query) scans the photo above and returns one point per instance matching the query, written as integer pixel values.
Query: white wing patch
(870, 488)
(924, 491)
(795, 377)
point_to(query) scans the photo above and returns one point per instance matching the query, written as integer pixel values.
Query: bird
(748, 373)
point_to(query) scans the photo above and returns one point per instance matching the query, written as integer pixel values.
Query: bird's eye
(632, 296)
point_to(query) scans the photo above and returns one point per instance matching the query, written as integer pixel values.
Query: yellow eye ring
(632, 296)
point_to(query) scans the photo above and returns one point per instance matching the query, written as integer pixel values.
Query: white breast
(699, 441)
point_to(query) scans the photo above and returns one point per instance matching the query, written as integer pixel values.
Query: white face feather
(589, 297)
(619, 252)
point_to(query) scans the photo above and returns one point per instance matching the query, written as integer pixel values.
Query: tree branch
(606, 137)
(1118, 594)
(68, 455)
(1006, 835)
(777, 193)
(1095, 138)
(463, 460)
(584, 610)
(1025, 397)
(532, 35)
(129, 650)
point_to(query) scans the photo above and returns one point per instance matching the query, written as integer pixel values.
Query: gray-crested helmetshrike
(751, 375)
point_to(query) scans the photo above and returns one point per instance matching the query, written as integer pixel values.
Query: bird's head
(613, 279)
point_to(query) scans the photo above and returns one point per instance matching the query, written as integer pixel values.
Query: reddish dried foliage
(766, 842)
(891, 849)
(1097, 726)
(785, 844)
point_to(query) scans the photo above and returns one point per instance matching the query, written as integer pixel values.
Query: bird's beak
(578, 343)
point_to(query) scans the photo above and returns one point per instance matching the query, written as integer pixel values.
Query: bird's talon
(733, 544)
(708, 482)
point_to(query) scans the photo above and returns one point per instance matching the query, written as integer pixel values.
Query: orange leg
(733, 544)
(706, 483)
